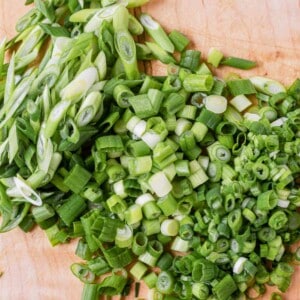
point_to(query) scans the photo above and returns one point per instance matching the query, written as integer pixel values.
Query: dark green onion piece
(239, 63)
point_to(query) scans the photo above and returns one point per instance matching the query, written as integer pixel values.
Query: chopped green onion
(179, 40)
(160, 53)
(71, 209)
(126, 49)
(267, 86)
(90, 291)
(138, 270)
(150, 280)
(160, 184)
(241, 87)
(240, 102)
(239, 63)
(156, 32)
(214, 56)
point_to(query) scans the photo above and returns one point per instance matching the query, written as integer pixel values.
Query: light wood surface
(267, 31)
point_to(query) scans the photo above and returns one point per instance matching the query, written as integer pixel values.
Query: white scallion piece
(151, 139)
(27, 193)
(252, 117)
(78, 87)
(239, 265)
(279, 122)
(143, 199)
(216, 104)
(133, 121)
(267, 86)
(119, 189)
(160, 184)
(283, 203)
(240, 102)
(140, 128)
(169, 227)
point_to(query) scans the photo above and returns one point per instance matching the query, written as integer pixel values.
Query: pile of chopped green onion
(178, 181)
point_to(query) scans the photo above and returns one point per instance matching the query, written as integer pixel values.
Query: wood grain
(267, 31)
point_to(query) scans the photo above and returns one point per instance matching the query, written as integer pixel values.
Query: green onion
(241, 87)
(138, 270)
(125, 47)
(165, 282)
(160, 184)
(179, 40)
(156, 32)
(267, 86)
(160, 53)
(190, 59)
(239, 63)
(133, 214)
(112, 285)
(240, 102)
(200, 290)
(214, 57)
(71, 209)
(198, 83)
(169, 227)
(90, 291)
(225, 288)
(150, 280)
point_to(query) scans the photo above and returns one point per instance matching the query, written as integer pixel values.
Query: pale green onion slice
(239, 265)
(91, 106)
(78, 87)
(56, 115)
(283, 203)
(61, 44)
(124, 237)
(83, 15)
(26, 192)
(105, 13)
(214, 56)
(279, 122)
(13, 144)
(240, 102)
(133, 121)
(156, 32)
(180, 245)
(216, 104)
(119, 189)
(267, 86)
(126, 49)
(101, 65)
(169, 227)
(252, 117)
(151, 139)
(44, 151)
(140, 128)
(160, 184)
(143, 199)
(182, 125)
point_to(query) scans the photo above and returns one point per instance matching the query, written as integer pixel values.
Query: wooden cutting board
(267, 31)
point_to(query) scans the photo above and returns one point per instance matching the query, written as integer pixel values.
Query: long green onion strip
(143, 167)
